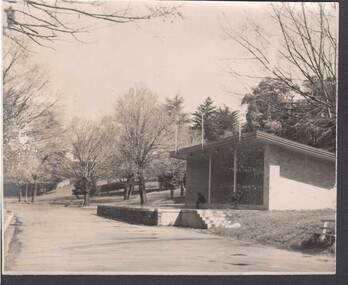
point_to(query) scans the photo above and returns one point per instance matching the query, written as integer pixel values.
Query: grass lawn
(155, 198)
(282, 229)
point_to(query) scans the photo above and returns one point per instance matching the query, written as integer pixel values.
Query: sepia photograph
(169, 137)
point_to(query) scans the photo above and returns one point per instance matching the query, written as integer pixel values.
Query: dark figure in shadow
(236, 199)
(200, 199)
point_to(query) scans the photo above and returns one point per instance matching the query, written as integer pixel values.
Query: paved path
(56, 239)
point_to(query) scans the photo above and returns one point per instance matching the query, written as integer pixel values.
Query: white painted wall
(299, 182)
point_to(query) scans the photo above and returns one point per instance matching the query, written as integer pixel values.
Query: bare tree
(18, 170)
(179, 134)
(31, 123)
(28, 163)
(169, 170)
(25, 101)
(44, 21)
(141, 122)
(85, 158)
(116, 165)
(122, 170)
(306, 59)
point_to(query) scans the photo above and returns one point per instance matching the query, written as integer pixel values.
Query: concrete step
(214, 219)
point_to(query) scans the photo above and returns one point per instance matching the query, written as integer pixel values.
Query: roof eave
(295, 146)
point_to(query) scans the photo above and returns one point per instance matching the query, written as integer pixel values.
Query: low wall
(145, 216)
(152, 216)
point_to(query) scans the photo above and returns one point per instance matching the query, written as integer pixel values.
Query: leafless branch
(42, 21)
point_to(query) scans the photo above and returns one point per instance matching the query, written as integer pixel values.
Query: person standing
(200, 200)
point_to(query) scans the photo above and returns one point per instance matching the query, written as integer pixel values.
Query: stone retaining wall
(145, 216)
(153, 216)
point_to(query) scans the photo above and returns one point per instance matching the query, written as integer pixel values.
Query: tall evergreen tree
(227, 121)
(209, 111)
(218, 122)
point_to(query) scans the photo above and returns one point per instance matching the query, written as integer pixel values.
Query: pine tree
(209, 111)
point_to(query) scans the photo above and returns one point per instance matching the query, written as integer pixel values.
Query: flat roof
(263, 137)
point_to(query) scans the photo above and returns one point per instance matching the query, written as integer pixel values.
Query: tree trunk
(142, 190)
(26, 192)
(85, 198)
(33, 197)
(130, 190)
(20, 194)
(171, 193)
(98, 192)
(125, 193)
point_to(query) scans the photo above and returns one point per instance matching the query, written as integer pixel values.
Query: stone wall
(298, 181)
(137, 215)
(192, 218)
(145, 216)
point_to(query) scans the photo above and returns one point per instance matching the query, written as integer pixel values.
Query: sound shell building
(260, 171)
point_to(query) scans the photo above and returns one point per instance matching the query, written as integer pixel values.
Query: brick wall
(298, 181)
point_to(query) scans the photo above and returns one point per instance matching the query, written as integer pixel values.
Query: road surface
(57, 239)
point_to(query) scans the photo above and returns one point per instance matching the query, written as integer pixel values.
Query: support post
(202, 130)
(209, 180)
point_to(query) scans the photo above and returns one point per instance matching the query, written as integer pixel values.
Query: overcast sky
(188, 56)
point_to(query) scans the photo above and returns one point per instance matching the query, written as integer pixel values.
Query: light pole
(235, 158)
(202, 130)
(176, 136)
